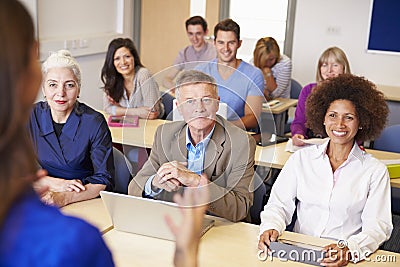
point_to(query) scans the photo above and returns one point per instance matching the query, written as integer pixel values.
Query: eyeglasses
(195, 101)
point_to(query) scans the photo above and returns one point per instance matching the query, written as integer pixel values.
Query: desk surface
(93, 211)
(286, 103)
(275, 156)
(142, 136)
(225, 244)
(392, 93)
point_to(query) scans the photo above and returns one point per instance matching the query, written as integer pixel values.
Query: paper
(307, 142)
(272, 104)
(315, 141)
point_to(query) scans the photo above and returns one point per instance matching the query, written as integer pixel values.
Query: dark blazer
(229, 164)
(83, 150)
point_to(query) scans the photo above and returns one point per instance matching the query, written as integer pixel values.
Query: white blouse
(356, 207)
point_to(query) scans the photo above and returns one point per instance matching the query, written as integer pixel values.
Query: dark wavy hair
(17, 157)
(370, 105)
(227, 25)
(112, 79)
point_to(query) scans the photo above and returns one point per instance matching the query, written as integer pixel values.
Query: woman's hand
(266, 72)
(112, 101)
(193, 205)
(147, 113)
(266, 238)
(58, 199)
(336, 255)
(58, 184)
(297, 139)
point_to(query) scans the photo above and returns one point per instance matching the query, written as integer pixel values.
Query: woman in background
(72, 140)
(331, 63)
(31, 233)
(337, 190)
(129, 87)
(276, 68)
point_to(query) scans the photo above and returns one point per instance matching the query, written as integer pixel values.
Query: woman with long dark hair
(129, 87)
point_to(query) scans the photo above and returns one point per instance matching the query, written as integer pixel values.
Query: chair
(393, 244)
(387, 141)
(167, 101)
(176, 116)
(123, 170)
(259, 200)
(295, 89)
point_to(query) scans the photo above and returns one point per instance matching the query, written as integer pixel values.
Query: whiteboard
(83, 27)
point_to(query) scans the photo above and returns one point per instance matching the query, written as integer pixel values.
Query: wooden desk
(384, 155)
(391, 93)
(273, 119)
(275, 156)
(225, 244)
(142, 136)
(93, 211)
(286, 103)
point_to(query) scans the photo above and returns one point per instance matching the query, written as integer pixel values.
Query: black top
(58, 128)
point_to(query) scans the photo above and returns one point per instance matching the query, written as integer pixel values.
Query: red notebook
(123, 121)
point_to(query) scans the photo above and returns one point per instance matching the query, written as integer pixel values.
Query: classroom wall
(323, 23)
(54, 30)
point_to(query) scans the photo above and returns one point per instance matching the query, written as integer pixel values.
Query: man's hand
(178, 171)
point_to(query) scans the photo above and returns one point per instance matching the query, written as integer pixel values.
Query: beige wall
(163, 30)
(212, 15)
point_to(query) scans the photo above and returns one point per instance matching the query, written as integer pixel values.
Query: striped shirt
(282, 72)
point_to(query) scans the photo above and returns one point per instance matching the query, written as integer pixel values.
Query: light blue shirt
(196, 153)
(196, 156)
(245, 81)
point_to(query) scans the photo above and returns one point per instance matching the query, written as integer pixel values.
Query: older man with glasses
(202, 147)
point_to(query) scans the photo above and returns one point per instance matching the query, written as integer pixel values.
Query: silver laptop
(144, 216)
